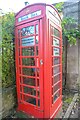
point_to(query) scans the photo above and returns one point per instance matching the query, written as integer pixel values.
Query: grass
(21, 115)
(68, 100)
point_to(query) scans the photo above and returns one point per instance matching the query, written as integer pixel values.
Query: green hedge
(8, 66)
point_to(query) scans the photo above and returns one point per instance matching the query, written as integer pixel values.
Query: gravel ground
(67, 99)
(74, 112)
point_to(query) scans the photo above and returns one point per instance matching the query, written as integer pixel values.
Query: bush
(8, 67)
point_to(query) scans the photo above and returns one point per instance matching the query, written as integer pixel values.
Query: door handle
(41, 62)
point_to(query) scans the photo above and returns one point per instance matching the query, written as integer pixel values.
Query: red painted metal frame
(49, 110)
(46, 109)
(30, 108)
(58, 103)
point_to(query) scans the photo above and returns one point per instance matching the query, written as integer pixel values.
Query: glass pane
(19, 42)
(21, 88)
(56, 32)
(37, 51)
(30, 100)
(56, 51)
(37, 72)
(30, 91)
(52, 91)
(56, 95)
(38, 82)
(19, 70)
(56, 42)
(36, 29)
(30, 41)
(28, 71)
(28, 51)
(56, 87)
(27, 31)
(28, 61)
(56, 79)
(20, 78)
(52, 100)
(18, 33)
(56, 61)
(38, 93)
(37, 40)
(20, 96)
(38, 102)
(56, 70)
(19, 51)
(52, 30)
(19, 61)
(29, 81)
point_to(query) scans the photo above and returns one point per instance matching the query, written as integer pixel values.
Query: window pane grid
(29, 71)
(28, 76)
(20, 50)
(56, 65)
(29, 99)
(56, 37)
(37, 70)
(56, 60)
(32, 96)
(26, 85)
(56, 83)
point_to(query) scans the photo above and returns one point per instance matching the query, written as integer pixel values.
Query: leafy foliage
(59, 6)
(68, 32)
(68, 24)
(8, 69)
(0, 47)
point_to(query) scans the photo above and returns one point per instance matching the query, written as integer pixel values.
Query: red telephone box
(38, 39)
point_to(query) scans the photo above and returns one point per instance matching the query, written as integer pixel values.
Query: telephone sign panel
(34, 14)
(38, 53)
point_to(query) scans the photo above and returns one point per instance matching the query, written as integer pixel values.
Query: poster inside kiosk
(56, 44)
(56, 52)
(28, 41)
